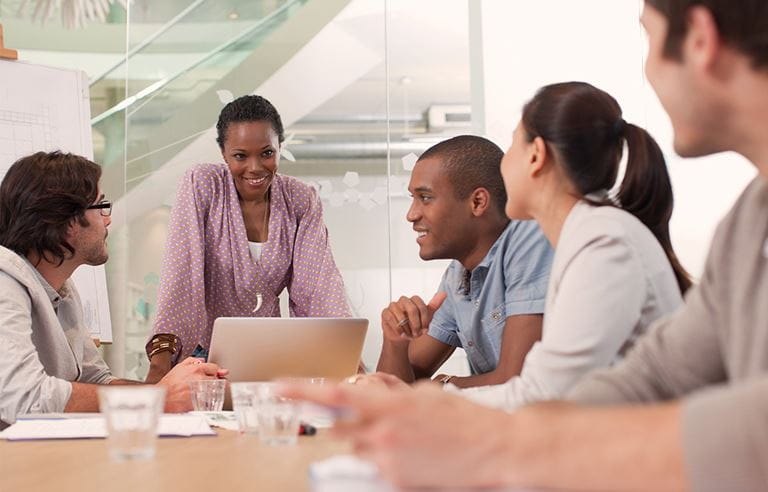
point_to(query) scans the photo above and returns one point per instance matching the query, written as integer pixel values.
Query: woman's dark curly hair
(245, 109)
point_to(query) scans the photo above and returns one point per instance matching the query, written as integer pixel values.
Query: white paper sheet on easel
(46, 109)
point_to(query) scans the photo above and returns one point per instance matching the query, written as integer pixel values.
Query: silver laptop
(261, 349)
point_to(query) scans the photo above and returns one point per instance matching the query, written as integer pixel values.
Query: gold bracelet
(163, 342)
(158, 350)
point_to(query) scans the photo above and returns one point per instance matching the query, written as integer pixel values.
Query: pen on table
(307, 430)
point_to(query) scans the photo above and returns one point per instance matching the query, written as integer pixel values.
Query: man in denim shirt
(491, 299)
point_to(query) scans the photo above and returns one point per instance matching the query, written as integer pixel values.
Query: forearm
(125, 382)
(487, 379)
(616, 448)
(159, 366)
(521, 332)
(85, 396)
(394, 360)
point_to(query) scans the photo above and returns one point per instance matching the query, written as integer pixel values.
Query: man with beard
(54, 218)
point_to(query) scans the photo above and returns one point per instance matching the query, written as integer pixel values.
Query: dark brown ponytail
(646, 193)
(583, 125)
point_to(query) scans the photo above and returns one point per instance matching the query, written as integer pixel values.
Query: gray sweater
(43, 342)
(713, 355)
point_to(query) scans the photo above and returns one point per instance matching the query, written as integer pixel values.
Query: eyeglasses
(105, 208)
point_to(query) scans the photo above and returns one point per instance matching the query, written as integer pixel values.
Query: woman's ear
(538, 156)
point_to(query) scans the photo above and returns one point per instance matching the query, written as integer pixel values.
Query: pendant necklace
(264, 232)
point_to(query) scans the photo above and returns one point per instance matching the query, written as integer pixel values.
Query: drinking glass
(208, 394)
(131, 415)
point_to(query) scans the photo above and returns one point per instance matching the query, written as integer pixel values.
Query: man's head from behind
(699, 52)
(43, 198)
(457, 194)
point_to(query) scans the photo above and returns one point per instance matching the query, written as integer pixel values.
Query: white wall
(530, 44)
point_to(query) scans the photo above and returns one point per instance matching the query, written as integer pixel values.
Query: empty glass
(131, 414)
(315, 415)
(208, 394)
(278, 420)
(245, 403)
(259, 409)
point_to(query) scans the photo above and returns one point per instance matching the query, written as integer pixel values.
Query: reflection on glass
(358, 109)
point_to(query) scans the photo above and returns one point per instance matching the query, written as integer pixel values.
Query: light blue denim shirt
(511, 280)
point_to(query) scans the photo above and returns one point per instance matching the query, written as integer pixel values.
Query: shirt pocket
(494, 317)
(493, 331)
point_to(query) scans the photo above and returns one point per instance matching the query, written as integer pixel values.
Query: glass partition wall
(363, 87)
(358, 101)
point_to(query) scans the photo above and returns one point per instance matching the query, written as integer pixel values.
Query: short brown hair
(472, 162)
(742, 23)
(40, 196)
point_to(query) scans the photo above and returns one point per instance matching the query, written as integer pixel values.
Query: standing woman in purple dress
(239, 234)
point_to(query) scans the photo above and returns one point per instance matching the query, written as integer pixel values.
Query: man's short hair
(40, 196)
(743, 24)
(472, 162)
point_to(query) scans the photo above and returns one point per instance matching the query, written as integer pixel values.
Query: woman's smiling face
(252, 152)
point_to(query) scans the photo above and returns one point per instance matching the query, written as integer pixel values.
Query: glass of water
(279, 421)
(312, 414)
(131, 415)
(208, 394)
(245, 403)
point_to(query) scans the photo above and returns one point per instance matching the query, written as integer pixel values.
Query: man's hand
(409, 317)
(176, 383)
(440, 379)
(420, 438)
(379, 379)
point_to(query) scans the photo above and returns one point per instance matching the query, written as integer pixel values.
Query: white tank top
(255, 250)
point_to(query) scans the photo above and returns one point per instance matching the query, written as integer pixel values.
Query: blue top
(511, 280)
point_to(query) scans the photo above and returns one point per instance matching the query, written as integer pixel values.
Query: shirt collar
(491, 254)
(55, 297)
(467, 276)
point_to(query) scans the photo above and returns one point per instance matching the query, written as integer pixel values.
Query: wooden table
(229, 461)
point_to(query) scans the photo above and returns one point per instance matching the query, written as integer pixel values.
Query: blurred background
(363, 87)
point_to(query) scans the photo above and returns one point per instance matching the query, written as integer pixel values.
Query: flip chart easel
(5, 52)
(46, 108)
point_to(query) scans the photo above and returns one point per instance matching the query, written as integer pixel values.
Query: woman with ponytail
(614, 270)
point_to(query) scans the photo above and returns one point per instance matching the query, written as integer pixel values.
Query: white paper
(347, 473)
(223, 420)
(94, 427)
(45, 109)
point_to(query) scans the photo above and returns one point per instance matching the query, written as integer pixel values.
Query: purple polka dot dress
(208, 271)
